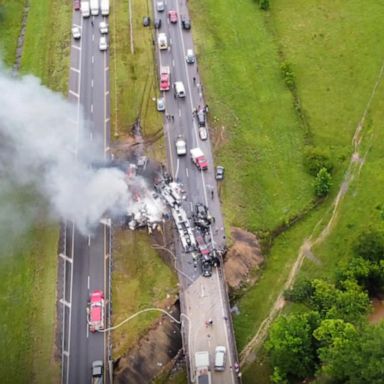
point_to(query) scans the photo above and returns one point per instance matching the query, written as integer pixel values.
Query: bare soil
(378, 311)
(243, 259)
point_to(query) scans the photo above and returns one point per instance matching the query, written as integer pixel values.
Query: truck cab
(97, 372)
(199, 159)
(85, 10)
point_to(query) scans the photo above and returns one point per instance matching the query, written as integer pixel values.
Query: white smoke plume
(39, 139)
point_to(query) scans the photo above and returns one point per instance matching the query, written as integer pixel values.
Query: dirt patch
(378, 311)
(155, 353)
(243, 259)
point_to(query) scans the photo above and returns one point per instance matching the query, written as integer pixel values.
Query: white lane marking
(62, 301)
(93, 37)
(92, 83)
(77, 25)
(65, 257)
(106, 94)
(93, 59)
(73, 93)
(186, 171)
(179, 112)
(91, 138)
(170, 42)
(173, 63)
(177, 167)
(76, 47)
(91, 108)
(89, 238)
(87, 330)
(75, 69)
(88, 282)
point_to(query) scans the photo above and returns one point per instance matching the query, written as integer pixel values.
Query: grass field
(27, 309)
(134, 84)
(11, 14)
(47, 42)
(140, 280)
(28, 274)
(262, 151)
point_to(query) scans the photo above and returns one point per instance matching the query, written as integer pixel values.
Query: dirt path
(353, 171)
(20, 39)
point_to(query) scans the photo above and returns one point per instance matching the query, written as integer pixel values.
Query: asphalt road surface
(202, 298)
(87, 261)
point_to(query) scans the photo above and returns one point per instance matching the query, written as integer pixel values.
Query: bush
(370, 245)
(301, 292)
(315, 159)
(288, 76)
(323, 182)
(264, 4)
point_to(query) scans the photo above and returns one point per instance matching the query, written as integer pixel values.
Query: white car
(190, 56)
(203, 133)
(181, 146)
(160, 6)
(220, 353)
(162, 41)
(76, 33)
(160, 104)
(103, 27)
(103, 45)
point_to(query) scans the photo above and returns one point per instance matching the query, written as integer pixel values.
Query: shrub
(288, 76)
(264, 4)
(323, 182)
(315, 159)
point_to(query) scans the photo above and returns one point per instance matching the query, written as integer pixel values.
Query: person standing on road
(194, 80)
(92, 22)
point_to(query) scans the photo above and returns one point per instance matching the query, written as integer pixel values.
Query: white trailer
(105, 7)
(94, 7)
(203, 374)
(85, 11)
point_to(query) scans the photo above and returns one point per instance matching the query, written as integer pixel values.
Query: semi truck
(203, 375)
(85, 10)
(105, 7)
(94, 7)
(199, 159)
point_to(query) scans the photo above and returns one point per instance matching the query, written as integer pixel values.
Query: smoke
(41, 154)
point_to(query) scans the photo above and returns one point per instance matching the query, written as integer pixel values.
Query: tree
(291, 345)
(322, 183)
(370, 245)
(350, 355)
(301, 292)
(315, 159)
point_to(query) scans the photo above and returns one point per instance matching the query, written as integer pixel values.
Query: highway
(201, 298)
(85, 260)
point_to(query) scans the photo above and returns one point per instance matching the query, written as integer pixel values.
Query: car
(202, 217)
(157, 23)
(103, 27)
(164, 81)
(190, 56)
(76, 33)
(203, 133)
(200, 115)
(160, 6)
(201, 244)
(103, 45)
(97, 370)
(185, 23)
(76, 5)
(181, 146)
(179, 89)
(162, 41)
(219, 172)
(206, 267)
(160, 104)
(95, 311)
(220, 354)
(146, 21)
(172, 16)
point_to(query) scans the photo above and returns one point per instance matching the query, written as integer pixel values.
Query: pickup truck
(199, 159)
(162, 41)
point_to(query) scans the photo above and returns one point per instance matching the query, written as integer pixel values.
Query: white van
(179, 89)
(220, 353)
(162, 41)
(85, 10)
(190, 56)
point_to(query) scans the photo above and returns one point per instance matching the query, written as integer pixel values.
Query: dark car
(185, 23)
(206, 267)
(219, 172)
(146, 21)
(201, 117)
(76, 5)
(157, 23)
(202, 217)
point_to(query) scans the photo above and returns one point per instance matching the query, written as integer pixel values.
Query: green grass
(47, 43)
(11, 14)
(27, 309)
(266, 182)
(134, 82)
(140, 280)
